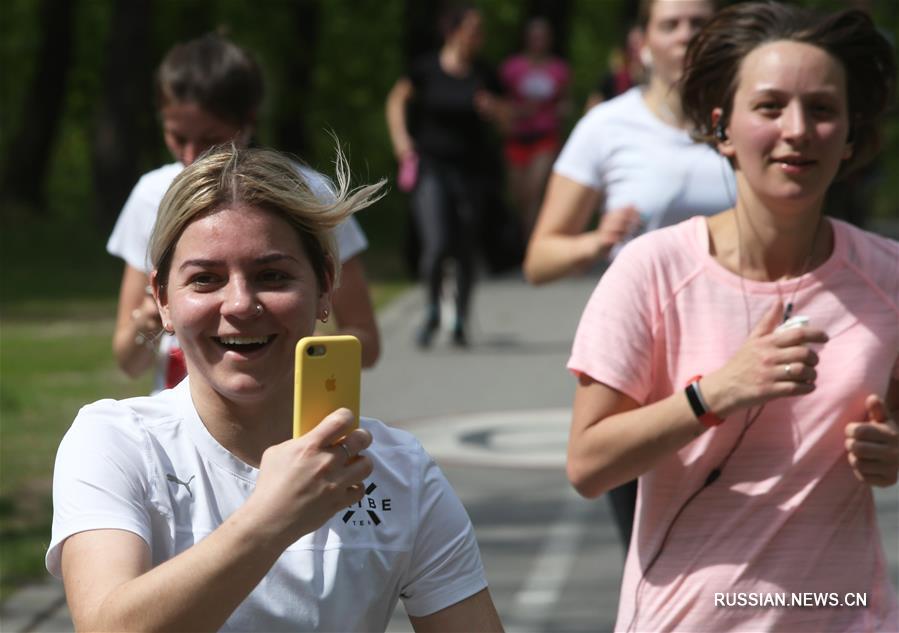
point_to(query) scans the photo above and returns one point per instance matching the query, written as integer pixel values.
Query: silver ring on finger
(788, 371)
(346, 450)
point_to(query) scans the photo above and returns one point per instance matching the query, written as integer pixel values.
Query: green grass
(49, 367)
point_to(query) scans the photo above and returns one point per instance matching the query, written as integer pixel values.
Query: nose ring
(259, 309)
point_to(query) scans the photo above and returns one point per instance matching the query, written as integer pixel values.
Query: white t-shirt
(149, 466)
(622, 149)
(131, 235)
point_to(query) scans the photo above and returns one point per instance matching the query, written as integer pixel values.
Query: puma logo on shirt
(186, 484)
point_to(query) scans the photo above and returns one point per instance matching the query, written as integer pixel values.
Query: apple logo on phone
(331, 383)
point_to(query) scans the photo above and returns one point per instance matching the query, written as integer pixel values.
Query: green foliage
(18, 50)
(356, 59)
(596, 31)
(359, 59)
(44, 261)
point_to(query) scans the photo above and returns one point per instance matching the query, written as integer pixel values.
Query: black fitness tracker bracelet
(697, 403)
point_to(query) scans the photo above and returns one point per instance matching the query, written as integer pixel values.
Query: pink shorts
(520, 152)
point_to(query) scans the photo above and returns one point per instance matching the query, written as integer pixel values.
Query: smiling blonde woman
(204, 511)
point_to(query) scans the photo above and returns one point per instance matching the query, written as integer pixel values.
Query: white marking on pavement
(506, 439)
(551, 568)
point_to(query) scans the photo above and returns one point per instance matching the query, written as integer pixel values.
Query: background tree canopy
(78, 124)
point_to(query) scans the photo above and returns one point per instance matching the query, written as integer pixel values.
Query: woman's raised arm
(301, 484)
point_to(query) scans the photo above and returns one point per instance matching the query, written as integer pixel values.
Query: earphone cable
(711, 478)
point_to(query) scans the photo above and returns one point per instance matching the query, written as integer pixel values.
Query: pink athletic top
(786, 515)
(539, 85)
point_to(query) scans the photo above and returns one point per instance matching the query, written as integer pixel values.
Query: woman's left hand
(873, 445)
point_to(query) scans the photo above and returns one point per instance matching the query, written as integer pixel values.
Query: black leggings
(623, 500)
(447, 205)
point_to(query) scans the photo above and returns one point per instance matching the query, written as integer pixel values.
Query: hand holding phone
(327, 377)
(303, 482)
(792, 323)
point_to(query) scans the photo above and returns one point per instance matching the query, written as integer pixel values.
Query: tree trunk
(118, 136)
(30, 150)
(293, 108)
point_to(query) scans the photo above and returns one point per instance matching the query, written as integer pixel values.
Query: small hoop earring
(167, 326)
(325, 314)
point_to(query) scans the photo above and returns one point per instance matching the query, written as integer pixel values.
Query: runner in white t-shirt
(631, 158)
(393, 543)
(622, 149)
(208, 92)
(203, 511)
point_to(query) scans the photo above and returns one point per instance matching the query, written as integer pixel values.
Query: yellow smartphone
(327, 377)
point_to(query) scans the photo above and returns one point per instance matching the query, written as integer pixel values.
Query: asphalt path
(495, 417)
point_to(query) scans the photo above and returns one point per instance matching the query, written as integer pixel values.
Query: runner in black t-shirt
(446, 159)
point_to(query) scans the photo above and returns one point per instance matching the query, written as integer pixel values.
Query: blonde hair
(266, 179)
